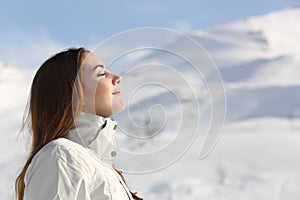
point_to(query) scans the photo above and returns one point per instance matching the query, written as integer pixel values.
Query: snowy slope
(258, 59)
(257, 156)
(266, 64)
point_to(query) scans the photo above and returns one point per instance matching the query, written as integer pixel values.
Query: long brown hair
(56, 98)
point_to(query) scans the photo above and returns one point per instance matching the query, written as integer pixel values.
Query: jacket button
(113, 153)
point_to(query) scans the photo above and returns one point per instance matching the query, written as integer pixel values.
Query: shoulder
(62, 152)
(62, 148)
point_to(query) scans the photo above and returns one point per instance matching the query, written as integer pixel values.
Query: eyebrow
(101, 66)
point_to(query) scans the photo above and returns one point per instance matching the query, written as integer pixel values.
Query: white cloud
(21, 50)
(181, 25)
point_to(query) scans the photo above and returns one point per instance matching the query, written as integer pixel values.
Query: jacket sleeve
(52, 178)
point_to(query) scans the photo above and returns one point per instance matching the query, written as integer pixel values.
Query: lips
(116, 92)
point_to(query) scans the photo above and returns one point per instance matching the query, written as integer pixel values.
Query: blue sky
(56, 24)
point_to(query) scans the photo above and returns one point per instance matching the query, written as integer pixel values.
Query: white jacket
(78, 167)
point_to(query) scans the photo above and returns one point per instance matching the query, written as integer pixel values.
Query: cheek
(103, 91)
(89, 85)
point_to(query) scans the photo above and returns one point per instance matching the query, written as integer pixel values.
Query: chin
(118, 106)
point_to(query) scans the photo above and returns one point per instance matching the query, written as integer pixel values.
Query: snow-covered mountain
(257, 157)
(258, 59)
(259, 63)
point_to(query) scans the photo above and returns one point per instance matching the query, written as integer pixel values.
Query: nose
(116, 79)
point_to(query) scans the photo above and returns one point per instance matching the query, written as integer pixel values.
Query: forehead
(91, 61)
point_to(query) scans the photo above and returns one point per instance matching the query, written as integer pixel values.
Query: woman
(73, 139)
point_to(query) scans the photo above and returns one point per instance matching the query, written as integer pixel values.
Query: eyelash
(101, 74)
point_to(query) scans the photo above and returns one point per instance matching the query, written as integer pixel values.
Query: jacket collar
(96, 133)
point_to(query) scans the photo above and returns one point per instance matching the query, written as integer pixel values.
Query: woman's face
(100, 88)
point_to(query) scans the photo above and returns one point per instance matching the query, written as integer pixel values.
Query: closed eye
(101, 74)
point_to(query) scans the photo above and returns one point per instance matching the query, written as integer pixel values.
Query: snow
(257, 156)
